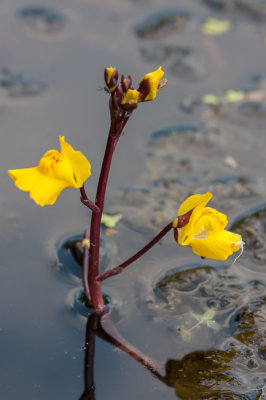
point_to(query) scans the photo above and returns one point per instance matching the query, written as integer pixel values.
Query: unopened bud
(126, 83)
(117, 97)
(130, 100)
(111, 78)
(119, 92)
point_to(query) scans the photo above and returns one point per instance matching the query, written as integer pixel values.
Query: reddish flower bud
(126, 83)
(130, 100)
(111, 78)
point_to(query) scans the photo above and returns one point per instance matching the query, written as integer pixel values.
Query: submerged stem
(85, 263)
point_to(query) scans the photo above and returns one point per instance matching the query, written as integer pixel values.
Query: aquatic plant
(196, 226)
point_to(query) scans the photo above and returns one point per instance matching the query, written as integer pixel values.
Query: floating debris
(17, 85)
(215, 27)
(253, 230)
(162, 24)
(110, 221)
(230, 96)
(159, 53)
(250, 325)
(229, 161)
(256, 9)
(174, 130)
(42, 19)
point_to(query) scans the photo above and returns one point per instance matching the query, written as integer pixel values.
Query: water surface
(53, 54)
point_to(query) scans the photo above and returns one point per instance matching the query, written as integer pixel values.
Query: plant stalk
(119, 268)
(85, 263)
(87, 202)
(182, 221)
(94, 253)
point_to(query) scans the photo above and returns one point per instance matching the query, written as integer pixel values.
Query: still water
(202, 321)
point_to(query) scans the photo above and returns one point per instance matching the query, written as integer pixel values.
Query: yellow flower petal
(81, 168)
(209, 220)
(194, 201)
(109, 72)
(43, 189)
(152, 79)
(55, 172)
(204, 232)
(218, 246)
(131, 97)
(197, 202)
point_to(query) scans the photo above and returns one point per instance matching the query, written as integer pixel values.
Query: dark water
(52, 56)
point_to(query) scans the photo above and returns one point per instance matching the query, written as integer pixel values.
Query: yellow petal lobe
(131, 97)
(55, 172)
(153, 79)
(109, 72)
(194, 201)
(218, 246)
(81, 168)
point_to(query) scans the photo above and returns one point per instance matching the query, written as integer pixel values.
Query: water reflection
(89, 387)
(201, 374)
(102, 326)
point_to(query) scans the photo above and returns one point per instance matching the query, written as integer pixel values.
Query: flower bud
(111, 77)
(130, 100)
(126, 83)
(117, 97)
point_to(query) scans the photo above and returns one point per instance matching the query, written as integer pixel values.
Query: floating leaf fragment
(211, 99)
(213, 325)
(230, 96)
(215, 27)
(110, 221)
(233, 96)
(207, 319)
(185, 334)
(209, 314)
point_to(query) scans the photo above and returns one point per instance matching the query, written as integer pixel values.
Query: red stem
(85, 265)
(182, 221)
(119, 268)
(87, 202)
(95, 287)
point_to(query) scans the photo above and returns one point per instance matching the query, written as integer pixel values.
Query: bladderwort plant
(200, 227)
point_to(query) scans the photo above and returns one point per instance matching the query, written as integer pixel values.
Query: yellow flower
(54, 173)
(131, 97)
(150, 84)
(204, 232)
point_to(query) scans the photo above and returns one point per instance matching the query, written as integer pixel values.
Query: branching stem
(119, 268)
